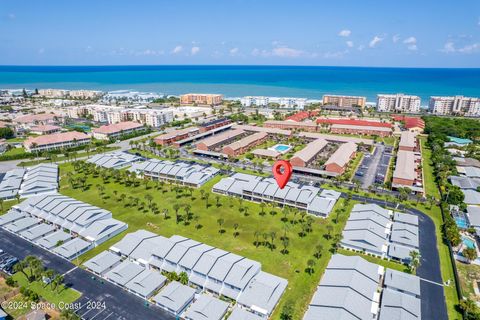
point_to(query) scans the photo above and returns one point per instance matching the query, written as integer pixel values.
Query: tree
(310, 266)
(469, 309)
(287, 311)
(69, 314)
(183, 278)
(176, 207)
(470, 254)
(414, 260)
(273, 236)
(48, 274)
(220, 224)
(235, 232)
(318, 251)
(329, 231)
(285, 243)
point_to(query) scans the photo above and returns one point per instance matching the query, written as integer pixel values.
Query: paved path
(432, 295)
(118, 304)
(369, 177)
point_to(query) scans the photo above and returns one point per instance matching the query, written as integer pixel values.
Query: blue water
(236, 81)
(282, 148)
(468, 242)
(461, 222)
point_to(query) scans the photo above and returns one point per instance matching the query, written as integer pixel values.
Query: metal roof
(207, 308)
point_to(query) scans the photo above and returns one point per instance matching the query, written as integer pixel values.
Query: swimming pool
(468, 242)
(461, 222)
(281, 148)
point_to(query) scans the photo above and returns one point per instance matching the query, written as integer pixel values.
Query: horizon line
(226, 65)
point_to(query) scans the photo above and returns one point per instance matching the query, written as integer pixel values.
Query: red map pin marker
(282, 177)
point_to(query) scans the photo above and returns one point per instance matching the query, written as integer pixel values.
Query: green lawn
(428, 178)
(290, 266)
(63, 294)
(17, 306)
(14, 152)
(80, 154)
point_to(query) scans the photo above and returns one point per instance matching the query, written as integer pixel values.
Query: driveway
(112, 302)
(431, 288)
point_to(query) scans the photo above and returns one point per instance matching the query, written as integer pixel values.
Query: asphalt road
(431, 286)
(100, 299)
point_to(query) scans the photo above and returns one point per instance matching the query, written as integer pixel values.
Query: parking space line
(97, 314)
(108, 316)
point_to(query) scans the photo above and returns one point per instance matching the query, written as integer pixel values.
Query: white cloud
(177, 49)
(375, 41)
(411, 43)
(448, 47)
(395, 38)
(345, 33)
(234, 51)
(470, 48)
(335, 55)
(361, 47)
(149, 52)
(286, 52)
(194, 50)
(349, 44)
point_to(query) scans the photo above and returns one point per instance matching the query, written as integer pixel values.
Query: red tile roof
(302, 115)
(117, 127)
(31, 118)
(410, 122)
(355, 122)
(56, 138)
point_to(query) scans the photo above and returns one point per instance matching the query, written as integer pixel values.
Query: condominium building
(56, 141)
(398, 103)
(85, 94)
(455, 105)
(282, 102)
(344, 101)
(52, 93)
(196, 98)
(116, 130)
(102, 113)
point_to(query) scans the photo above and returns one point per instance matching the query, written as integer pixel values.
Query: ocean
(237, 81)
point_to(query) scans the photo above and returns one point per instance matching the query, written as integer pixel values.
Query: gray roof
(194, 254)
(103, 228)
(346, 291)
(11, 216)
(22, 224)
(131, 241)
(72, 248)
(406, 218)
(144, 250)
(473, 213)
(10, 184)
(371, 207)
(399, 251)
(207, 260)
(402, 281)
(471, 197)
(263, 292)
(124, 272)
(241, 314)
(115, 160)
(472, 172)
(40, 179)
(52, 239)
(467, 162)
(175, 296)
(405, 234)
(195, 174)
(206, 308)
(146, 283)
(465, 182)
(405, 166)
(37, 231)
(102, 262)
(398, 306)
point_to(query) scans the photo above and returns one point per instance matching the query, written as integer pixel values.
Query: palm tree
(217, 200)
(256, 235)
(149, 199)
(262, 207)
(310, 266)
(318, 251)
(220, 224)
(414, 260)
(48, 274)
(273, 236)
(183, 278)
(176, 207)
(235, 232)
(285, 243)
(329, 231)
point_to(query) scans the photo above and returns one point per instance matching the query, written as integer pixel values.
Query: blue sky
(422, 33)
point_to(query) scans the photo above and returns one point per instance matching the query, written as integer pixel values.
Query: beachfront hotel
(282, 102)
(398, 103)
(205, 99)
(455, 105)
(344, 101)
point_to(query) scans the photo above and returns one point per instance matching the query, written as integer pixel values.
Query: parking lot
(7, 262)
(374, 167)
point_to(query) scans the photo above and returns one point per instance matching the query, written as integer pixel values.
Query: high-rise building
(206, 99)
(398, 103)
(455, 105)
(344, 101)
